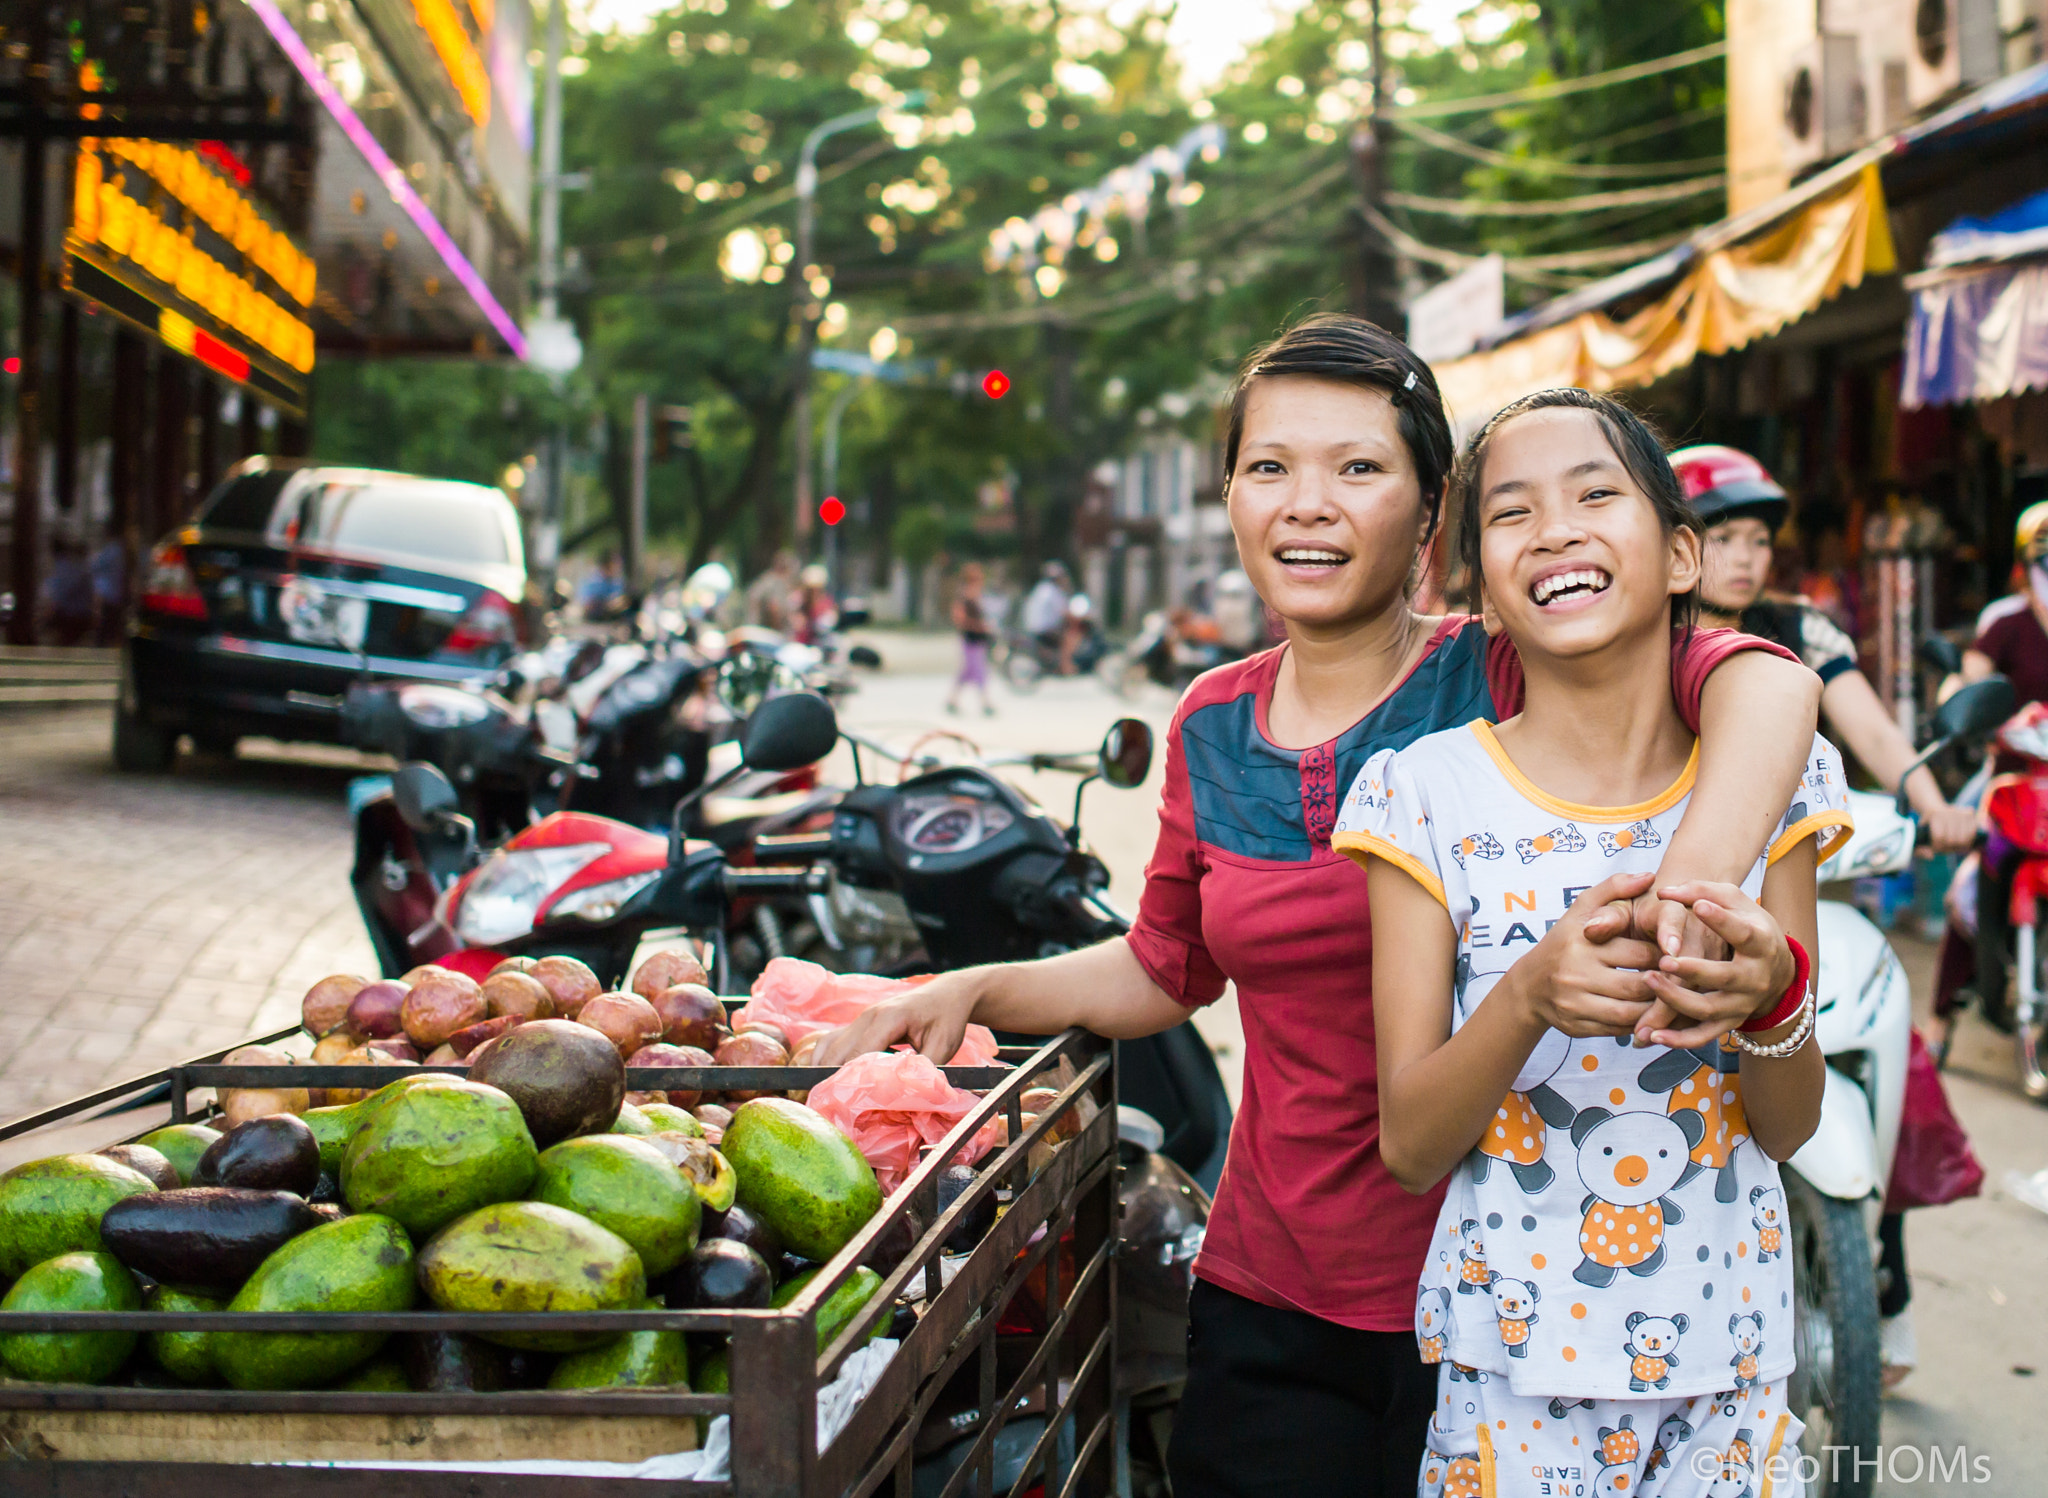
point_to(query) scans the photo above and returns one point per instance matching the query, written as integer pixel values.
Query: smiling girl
(1609, 1255)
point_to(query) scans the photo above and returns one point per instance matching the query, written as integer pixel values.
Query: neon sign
(458, 55)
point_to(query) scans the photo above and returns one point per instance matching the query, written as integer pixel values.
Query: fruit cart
(1024, 1320)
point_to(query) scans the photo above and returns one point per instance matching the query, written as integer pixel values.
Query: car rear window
(441, 522)
(245, 503)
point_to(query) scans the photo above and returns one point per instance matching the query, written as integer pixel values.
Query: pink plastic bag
(802, 998)
(895, 1105)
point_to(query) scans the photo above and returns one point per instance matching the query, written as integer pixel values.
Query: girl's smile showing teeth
(1569, 584)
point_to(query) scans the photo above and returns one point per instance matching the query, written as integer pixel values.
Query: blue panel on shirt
(1247, 793)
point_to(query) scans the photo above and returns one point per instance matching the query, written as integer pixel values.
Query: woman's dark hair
(1634, 441)
(1352, 351)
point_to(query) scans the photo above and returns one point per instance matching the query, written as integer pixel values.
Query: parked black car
(294, 582)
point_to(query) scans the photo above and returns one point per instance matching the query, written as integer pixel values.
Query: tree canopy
(941, 241)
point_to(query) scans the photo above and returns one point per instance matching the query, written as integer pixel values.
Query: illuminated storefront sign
(160, 238)
(458, 54)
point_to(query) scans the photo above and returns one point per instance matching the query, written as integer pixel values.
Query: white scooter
(1835, 1184)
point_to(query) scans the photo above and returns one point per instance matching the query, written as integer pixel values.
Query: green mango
(186, 1356)
(799, 1174)
(182, 1145)
(331, 1128)
(840, 1307)
(362, 1263)
(622, 1184)
(435, 1151)
(378, 1376)
(51, 1207)
(631, 1120)
(714, 1376)
(668, 1118)
(638, 1360)
(70, 1282)
(530, 1256)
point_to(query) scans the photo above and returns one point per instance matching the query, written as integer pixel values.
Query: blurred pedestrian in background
(67, 594)
(1045, 607)
(110, 585)
(813, 612)
(769, 595)
(971, 618)
(601, 593)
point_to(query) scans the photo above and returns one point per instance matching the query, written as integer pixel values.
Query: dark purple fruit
(455, 1363)
(954, 1180)
(893, 1247)
(277, 1152)
(739, 1225)
(152, 1163)
(721, 1275)
(566, 1078)
(207, 1239)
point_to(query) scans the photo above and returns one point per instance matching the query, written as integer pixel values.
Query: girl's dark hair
(1352, 351)
(1634, 441)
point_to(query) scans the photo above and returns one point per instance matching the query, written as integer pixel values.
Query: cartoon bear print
(1514, 1308)
(1628, 1163)
(1706, 1081)
(1436, 1466)
(1472, 1271)
(1767, 1216)
(1672, 1434)
(1559, 1408)
(1652, 1347)
(1432, 1322)
(1518, 1133)
(1619, 1444)
(1465, 1477)
(1735, 1476)
(1748, 1332)
(1470, 1375)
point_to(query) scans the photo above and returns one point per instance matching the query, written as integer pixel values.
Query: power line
(1536, 92)
(1540, 166)
(1568, 260)
(1672, 192)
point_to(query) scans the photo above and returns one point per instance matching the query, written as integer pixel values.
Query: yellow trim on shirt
(1669, 797)
(1771, 1467)
(1489, 1476)
(1840, 821)
(1358, 846)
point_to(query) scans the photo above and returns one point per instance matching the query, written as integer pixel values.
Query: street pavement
(146, 919)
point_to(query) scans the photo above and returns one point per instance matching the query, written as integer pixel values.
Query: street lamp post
(833, 414)
(806, 304)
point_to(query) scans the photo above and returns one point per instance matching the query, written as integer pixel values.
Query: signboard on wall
(165, 238)
(1448, 320)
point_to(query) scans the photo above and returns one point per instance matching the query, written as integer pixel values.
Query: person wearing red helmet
(1742, 507)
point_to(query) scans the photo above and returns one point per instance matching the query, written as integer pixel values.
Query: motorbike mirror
(1976, 709)
(1126, 757)
(1939, 653)
(425, 797)
(789, 732)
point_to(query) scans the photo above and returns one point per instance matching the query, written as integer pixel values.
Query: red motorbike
(2016, 848)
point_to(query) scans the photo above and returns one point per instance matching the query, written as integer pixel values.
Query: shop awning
(1980, 311)
(1731, 282)
(1726, 297)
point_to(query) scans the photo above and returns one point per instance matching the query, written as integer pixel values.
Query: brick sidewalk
(146, 918)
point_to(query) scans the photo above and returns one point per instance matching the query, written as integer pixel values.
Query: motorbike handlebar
(809, 880)
(794, 845)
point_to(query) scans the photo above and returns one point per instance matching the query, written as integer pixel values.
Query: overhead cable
(1545, 167)
(1537, 92)
(1568, 260)
(1627, 197)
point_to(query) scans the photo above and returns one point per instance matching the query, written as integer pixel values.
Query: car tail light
(168, 586)
(491, 621)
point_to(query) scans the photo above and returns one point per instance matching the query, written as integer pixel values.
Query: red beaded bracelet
(1794, 996)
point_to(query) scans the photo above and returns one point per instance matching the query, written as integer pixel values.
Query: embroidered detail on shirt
(1319, 793)
(1637, 835)
(1477, 845)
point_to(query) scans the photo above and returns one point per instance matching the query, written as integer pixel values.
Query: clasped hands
(1672, 965)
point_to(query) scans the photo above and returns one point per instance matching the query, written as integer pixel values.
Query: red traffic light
(996, 384)
(831, 511)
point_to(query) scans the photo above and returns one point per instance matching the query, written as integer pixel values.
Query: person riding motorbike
(1742, 507)
(2012, 639)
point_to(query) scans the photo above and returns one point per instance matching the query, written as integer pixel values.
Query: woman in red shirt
(1303, 1373)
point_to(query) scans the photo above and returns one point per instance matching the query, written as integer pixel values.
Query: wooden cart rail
(1063, 1211)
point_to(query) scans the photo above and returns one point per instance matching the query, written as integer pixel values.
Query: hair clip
(1400, 397)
